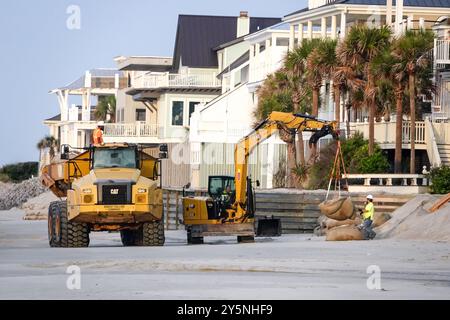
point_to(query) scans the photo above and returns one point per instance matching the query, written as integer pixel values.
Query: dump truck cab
(110, 187)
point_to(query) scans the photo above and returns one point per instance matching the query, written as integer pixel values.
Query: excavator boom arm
(276, 121)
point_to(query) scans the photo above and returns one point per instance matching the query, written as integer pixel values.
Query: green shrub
(355, 152)
(20, 171)
(361, 162)
(300, 173)
(440, 179)
(4, 177)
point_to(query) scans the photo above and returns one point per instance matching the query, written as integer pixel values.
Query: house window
(140, 114)
(282, 42)
(177, 113)
(192, 109)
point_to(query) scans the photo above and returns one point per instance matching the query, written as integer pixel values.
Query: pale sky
(39, 53)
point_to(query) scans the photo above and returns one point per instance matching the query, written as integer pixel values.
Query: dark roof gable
(198, 35)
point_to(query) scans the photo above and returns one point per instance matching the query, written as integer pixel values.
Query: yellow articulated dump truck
(110, 187)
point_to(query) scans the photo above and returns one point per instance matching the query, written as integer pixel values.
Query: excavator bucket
(268, 227)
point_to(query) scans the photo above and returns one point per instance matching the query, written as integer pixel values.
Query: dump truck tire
(51, 224)
(153, 233)
(72, 234)
(131, 237)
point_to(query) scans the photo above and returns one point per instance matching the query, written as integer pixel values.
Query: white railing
(130, 130)
(157, 80)
(442, 51)
(441, 104)
(385, 131)
(420, 132)
(387, 182)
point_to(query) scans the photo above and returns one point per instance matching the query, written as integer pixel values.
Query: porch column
(398, 16)
(310, 29)
(323, 28)
(333, 27)
(86, 106)
(267, 46)
(343, 24)
(422, 23)
(291, 37)
(410, 22)
(300, 33)
(257, 48)
(63, 96)
(389, 12)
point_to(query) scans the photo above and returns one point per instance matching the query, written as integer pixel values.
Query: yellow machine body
(82, 185)
(210, 216)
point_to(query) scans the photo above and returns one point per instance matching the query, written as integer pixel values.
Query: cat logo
(114, 191)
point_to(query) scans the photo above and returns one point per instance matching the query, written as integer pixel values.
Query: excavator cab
(222, 191)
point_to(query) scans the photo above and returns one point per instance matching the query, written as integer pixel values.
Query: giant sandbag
(330, 206)
(338, 209)
(344, 233)
(331, 223)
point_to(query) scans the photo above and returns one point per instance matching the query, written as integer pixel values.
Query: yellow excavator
(108, 187)
(229, 208)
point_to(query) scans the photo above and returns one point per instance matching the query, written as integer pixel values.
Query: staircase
(444, 153)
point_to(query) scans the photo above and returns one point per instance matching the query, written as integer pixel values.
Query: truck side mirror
(187, 186)
(163, 148)
(65, 152)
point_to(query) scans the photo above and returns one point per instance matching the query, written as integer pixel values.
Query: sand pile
(16, 194)
(37, 208)
(413, 221)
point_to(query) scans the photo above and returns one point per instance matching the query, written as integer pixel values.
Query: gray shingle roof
(406, 3)
(198, 35)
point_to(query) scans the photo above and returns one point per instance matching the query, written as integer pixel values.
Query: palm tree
(48, 142)
(106, 106)
(391, 68)
(320, 64)
(412, 48)
(295, 66)
(361, 45)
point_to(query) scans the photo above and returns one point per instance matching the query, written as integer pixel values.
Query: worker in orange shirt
(97, 135)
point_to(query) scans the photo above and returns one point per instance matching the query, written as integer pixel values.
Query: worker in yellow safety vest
(97, 135)
(367, 215)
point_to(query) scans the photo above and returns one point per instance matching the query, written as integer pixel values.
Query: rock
(19, 193)
(344, 233)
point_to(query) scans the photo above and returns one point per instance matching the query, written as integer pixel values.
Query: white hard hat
(370, 197)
